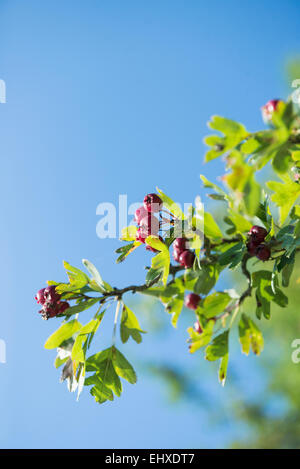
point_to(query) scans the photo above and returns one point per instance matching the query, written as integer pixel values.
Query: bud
(268, 110)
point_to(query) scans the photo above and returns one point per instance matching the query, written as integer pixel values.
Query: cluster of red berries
(256, 246)
(181, 254)
(50, 301)
(147, 222)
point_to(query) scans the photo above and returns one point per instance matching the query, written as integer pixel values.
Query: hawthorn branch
(247, 274)
(119, 292)
(226, 241)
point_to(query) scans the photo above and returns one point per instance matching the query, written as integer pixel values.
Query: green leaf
(60, 361)
(277, 297)
(106, 376)
(250, 146)
(218, 348)
(124, 251)
(174, 307)
(211, 229)
(285, 195)
(234, 133)
(264, 214)
(200, 340)
(81, 306)
(228, 127)
(223, 369)
(209, 185)
(282, 159)
(287, 270)
(296, 155)
(171, 205)
(122, 366)
(100, 391)
(151, 276)
(109, 365)
(160, 262)
(156, 243)
(252, 195)
(296, 211)
(92, 326)
(129, 233)
(94, 361)
(111, 379)
(262, 280)
(207, 278)
(263, 306)
(215, 304)
(242, 225)
(130, 326)
(77, 350)
(63, 333)
(235, 252)
(77, 278)
(104, 286)
(250, 336)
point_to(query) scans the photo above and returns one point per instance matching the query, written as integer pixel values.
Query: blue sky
(108, 98)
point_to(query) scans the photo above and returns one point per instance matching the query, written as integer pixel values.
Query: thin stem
(115, 322)
(248, 276)
(235, 312)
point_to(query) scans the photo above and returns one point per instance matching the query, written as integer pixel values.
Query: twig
(248, 276)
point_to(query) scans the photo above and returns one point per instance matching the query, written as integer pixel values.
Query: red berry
(198, 328)
(186, 259)
(140, 213)
(149, 225)
(152, 203)
(49, 311)
(40, 297)
(257, 234)
(180, 244)
(62, 307)
(268, 109)
(252, 247)
(192, 301)
(176, 254)
(51, 294)
(263, 252)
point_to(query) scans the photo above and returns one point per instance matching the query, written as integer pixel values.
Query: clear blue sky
(108, 98)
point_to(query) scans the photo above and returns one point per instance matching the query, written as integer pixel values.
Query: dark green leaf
(218, 348)
(122, 366)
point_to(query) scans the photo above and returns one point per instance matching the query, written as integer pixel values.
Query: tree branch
(247, 274)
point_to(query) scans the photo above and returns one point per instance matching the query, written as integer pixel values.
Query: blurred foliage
(292, 69)
(280, 426)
